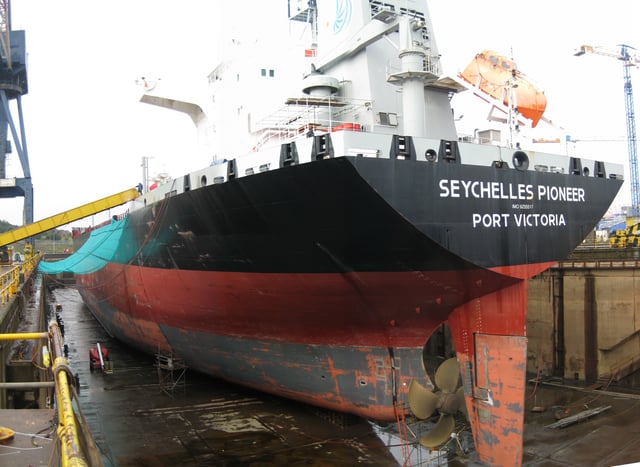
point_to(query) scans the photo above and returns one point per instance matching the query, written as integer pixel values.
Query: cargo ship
(328, 240)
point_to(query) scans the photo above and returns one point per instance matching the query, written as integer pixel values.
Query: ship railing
(305, 114)
(10, 280)
(492, 139)
(430, 69)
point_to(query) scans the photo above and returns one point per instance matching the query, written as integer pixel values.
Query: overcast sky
(87, 132)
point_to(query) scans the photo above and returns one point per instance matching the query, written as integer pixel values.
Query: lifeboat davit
(491, 73)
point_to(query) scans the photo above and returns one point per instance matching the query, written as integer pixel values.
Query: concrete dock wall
(22, 312)
(584, 320)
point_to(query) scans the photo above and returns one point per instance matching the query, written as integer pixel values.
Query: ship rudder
(491, 345)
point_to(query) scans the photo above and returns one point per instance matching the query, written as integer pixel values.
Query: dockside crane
(13, 85)
(628, 60)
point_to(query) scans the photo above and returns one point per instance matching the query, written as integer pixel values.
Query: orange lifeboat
(491, 72)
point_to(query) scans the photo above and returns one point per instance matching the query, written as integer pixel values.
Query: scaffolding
(172, 372)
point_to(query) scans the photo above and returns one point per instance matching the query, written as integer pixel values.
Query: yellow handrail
(71, 451)
(10, 280)
(70, 447)
(23, 335)
(70, 429)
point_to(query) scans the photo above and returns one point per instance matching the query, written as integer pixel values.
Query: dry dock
(209, 422)
(142, 414)
(609, 438)
(138, 417)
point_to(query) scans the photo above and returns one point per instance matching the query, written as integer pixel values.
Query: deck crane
(628, 60)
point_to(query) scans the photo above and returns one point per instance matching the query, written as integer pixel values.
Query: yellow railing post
(10, 280)
(71, 451)
(23, 335)
(67, 430)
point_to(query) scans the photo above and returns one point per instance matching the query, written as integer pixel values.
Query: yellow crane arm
(66, 217)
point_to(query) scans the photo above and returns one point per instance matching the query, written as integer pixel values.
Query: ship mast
(306, 13)
(416, 68)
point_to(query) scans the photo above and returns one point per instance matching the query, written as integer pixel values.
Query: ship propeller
(446, 402)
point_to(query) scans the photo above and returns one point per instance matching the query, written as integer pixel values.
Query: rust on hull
(490, 339)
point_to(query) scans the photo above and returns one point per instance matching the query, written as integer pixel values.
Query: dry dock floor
(206, 422)
(609, 438)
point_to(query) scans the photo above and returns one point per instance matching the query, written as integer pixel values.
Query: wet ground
(142, 416)
(609, 438)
